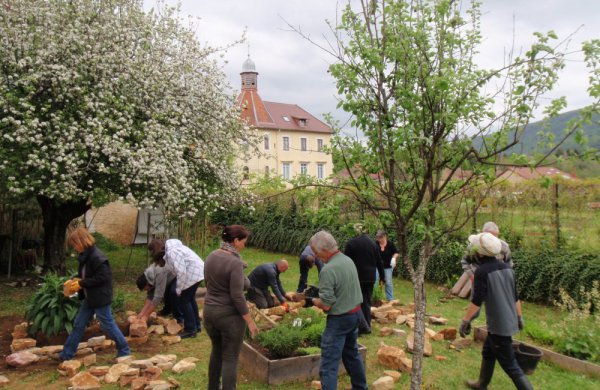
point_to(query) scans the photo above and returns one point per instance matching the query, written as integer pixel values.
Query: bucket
(527, 357)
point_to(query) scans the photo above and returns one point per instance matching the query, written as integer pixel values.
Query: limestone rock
(449, 333)
(174, 382)
(22, 344)
(84, 351)
(125, 359)
(69, 367)
(139, 383)
(440, 358)
(173, 327)
(401, 319)
(156, 359)
(84, 381)
(157, 329)
(438, 337)
(462, 343)
(88, 360)
(275, 311)
(98, 370)
(399, 332)
(435, 320)
(145, 363)
(393, 357)
(137, 340)
(315, 385)
(131, 371)
(20, 331)
(152, 373)
(114, 372)
(125, 380)
(21, 359)
(394, 374)
(385, 331)
(138, 328)
(276, 318)
(410, 344)
(4, 380)
(162, 321)
(82, 345)
(430, 332)
(183, 366)
(395, 302)
(50, 350)
(190, 359)
(393, 314)
(165, 366)
(96, 341)
(383, 383)
(106, 345)
(171, 339)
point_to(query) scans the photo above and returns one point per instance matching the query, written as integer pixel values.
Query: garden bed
(275, 372)
(565, 362)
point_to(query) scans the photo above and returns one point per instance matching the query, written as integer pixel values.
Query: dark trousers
(500, 348)
(261, 298)
(171, 307)
(304, 268)
(225, 327)
(367, 292)
(187, 305)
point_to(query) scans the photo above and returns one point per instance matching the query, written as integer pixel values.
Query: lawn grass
(448, 374)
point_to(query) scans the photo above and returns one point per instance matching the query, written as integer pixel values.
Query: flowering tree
(99, 100)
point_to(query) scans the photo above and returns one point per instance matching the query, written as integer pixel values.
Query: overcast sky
(291, 70)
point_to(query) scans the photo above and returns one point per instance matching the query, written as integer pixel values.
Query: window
(285, 172)
(286, 118)
(266, 141)
(319, 144)
(303, 168)
(286, 143)
(303, 144)
(302, 122)
(320, 171)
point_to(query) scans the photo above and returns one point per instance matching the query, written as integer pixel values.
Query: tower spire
(249, 73)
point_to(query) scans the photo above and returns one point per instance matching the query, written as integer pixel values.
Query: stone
(183, 366)
(190, 359)
(462, 343)
(141, 363)
(20, 331)
(275, 311)
(410, 323)
(84, 351)
(393, 314)
(156, 329)
(430, 332)
(69, 367)
(379, 315)
(131, 371)
(152, 373)
(125, 359)
(383, 383)
(410, 344)
(82, 345)
(137, 340)
(438, 337)
(174, 382)
(401, 319)
(162, 321)
(394, 374)
(138, 328)
(84, 381)
(98, 370)
(315, 385)
(435, 320)
(385, 331)
(106, 345)
(392, 357)
(440, 358)
(165, 366)
(395, 302)
(125, 380)
(96, 341)
(173, 327)
(88, 360)
(276, 318)
(399, 332)
(114, 372)
(156, 359)
(171, 339)
(139, 383)
(130, 313)
(4, 380)
(449, 333)
(50, 350)
(22, 344)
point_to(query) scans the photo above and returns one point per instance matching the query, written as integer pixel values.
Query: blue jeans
(339, 341)
(187, 305)
(389, 286)
(108, 324)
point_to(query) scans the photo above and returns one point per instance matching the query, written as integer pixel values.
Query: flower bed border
(565, 362)
(275, 372)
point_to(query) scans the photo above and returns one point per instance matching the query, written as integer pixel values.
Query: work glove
(74, 287)
(286, 306)
(393, 262)
(520, 322)
(465, 328)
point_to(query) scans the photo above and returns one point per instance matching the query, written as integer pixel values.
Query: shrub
(104, 243)
(312, 334)
(118, 302)
(50, 311)
(281, 341)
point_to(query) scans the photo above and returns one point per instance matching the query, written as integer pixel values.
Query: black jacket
(364, 252)
(266, 275)
(96, 282)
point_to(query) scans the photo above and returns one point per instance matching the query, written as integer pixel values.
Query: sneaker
(187, 335)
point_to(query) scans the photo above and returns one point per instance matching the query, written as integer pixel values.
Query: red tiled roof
(271, 115)
(535, 173)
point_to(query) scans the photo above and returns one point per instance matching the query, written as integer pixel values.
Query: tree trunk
(57, 217)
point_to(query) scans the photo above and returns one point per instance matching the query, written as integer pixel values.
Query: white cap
(485, 244)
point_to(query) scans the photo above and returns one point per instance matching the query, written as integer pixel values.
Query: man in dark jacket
(95, 289)
(364, 253)
(495, 285)
(263, 277)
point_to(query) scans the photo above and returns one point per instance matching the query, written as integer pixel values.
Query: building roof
(536, 173)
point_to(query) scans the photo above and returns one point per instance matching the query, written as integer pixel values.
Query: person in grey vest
(494, 284)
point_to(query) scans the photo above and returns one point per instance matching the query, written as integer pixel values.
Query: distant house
(292, 139)
(521, 174)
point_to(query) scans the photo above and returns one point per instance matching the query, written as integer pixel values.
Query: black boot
(485, 375)
(522, 383)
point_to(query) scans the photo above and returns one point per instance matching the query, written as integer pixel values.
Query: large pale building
(292, 140)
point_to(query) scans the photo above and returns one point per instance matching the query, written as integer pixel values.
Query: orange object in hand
(74, 287)
(286, 306)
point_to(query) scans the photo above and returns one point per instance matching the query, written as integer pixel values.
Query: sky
(292, 70)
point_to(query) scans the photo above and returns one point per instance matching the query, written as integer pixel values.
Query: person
(495, 285)
(226, 312)
(307, 260)
(340, 297)
(389, 256)
(365, 254)
(265, 276)
(470, 263)
(94, 288)
(188, 268)
(160, 284)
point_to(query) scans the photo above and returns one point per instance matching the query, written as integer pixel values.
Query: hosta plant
(50, 311)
